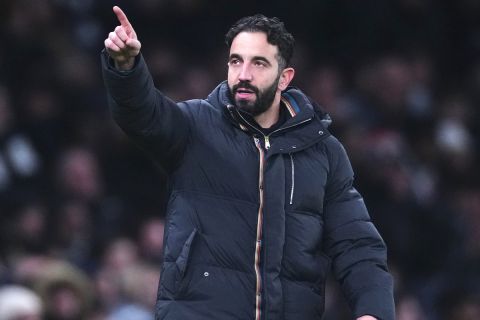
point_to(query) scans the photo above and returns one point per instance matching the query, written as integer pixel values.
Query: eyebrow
(235, 56)
(260, 58)
(254, 58)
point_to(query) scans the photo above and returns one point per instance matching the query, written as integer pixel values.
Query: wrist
(126, 65)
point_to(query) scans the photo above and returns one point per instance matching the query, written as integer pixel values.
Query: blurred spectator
(19, 303)
(107, 290)
(150, 240)
(74, 237)
(131, 312)
(26, 269)
(409, 308)
(66, 292)
(81, 195)
(119, 256)
(139, 285)
(27, 231)
(19, 160)
(79, 175)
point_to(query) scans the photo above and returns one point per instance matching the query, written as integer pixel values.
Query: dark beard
(263, 101)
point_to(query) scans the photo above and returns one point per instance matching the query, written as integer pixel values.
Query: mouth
(244, 93)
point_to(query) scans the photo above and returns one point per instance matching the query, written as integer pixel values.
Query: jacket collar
(299, 107)
(306, 125)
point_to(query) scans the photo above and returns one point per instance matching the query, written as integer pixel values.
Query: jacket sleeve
(358, 253)
(152, 120)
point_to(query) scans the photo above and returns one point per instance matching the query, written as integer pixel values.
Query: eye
(259, 63)
(234, 61)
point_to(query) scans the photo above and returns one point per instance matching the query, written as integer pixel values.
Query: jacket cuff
(377, 302)
(110, 64)
(125, 85)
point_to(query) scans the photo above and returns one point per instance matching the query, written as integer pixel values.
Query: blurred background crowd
(82, 209)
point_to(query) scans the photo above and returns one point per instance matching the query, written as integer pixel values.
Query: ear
(285, 78)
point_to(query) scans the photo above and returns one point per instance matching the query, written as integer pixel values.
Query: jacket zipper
(267, 137)
(267, 142)
(293, 178)
(258, 242)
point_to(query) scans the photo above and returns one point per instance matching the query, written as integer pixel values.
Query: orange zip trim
(289, 107)
(258, 243)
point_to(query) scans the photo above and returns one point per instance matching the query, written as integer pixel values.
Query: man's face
(253, 72)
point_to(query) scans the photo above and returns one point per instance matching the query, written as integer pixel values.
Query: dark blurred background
(81, 208)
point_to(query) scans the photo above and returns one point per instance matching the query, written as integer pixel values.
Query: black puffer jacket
(254, 223)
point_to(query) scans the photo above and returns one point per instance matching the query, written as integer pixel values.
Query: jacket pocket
(173, 273)
(182, 260)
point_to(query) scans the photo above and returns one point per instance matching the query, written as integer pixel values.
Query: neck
(269, 117)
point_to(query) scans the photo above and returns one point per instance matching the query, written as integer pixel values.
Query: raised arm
(155, 122)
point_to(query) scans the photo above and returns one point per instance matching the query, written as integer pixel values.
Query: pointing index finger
(122, 18)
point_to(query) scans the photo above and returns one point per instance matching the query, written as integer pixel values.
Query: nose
(245, 73)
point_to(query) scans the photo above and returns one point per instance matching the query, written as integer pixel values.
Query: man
(261, 202)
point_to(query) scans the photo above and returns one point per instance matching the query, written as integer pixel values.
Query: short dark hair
(275, 30)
